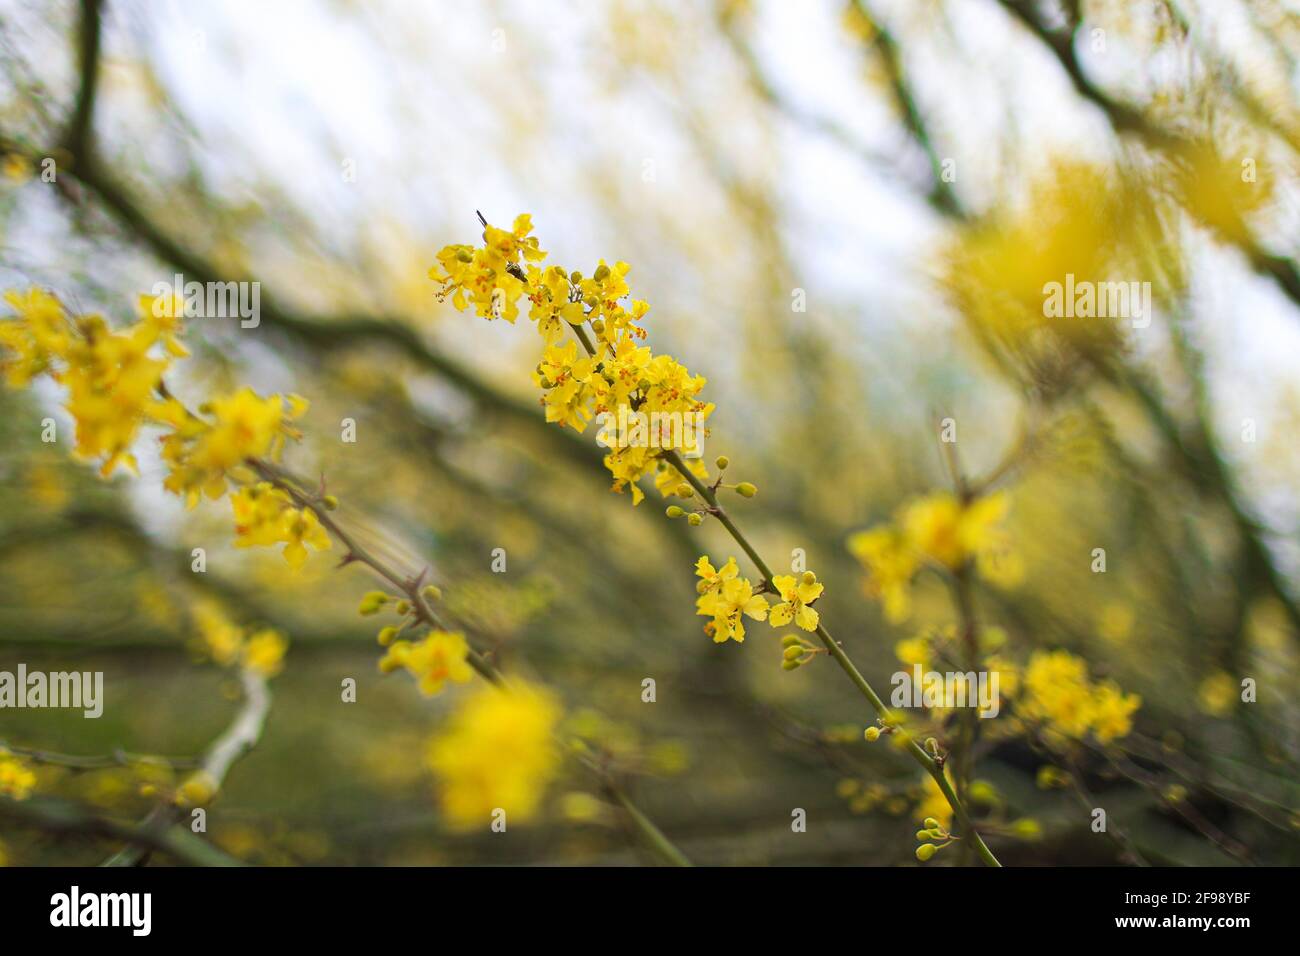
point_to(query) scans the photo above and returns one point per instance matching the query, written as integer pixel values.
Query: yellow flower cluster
(112, 378)
(433, 660)
(497, 752)
(618, 379)
(728, 599)
(939, 529)
(114, 383)
(265, 516)
(203, 453)
(1057, 693)
(229, 645)
(16, 778)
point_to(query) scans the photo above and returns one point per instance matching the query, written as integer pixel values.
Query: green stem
(654, 836)
(928, 764)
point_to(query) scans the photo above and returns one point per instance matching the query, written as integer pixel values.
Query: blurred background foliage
(737, 155)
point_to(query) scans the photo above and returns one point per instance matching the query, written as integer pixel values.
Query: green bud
(386, 635)
(790, 640)
(432, 592)
(722, 462)
(575, 277)
(792, 653)
(684, 490)
(925, 851)
(871, 734)
(601, 273)
(402, 607)
(789, 665)
(329, 502)
(809, 578)
(923, 835)
(598, 326)
(372, 601)
(746, 489)
(695, 520)
(932, 823)
(674, 511)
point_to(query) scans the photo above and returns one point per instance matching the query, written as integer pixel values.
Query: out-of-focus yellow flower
(496, 752)
(938, 528)
(222, 638)
(890, 563)
(265, 515)
(1218, 694)
(264, 652)
(243, 425)
(933, 804)
(1115, 622)
(579, 807)
(1221, 190)
(1058, 693)
(438, 657)
(1076, 219)
(16, 778)
(196, 789)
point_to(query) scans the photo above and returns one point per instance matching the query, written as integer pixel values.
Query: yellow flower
(565, 378)
(437, 658)
(223, 640)
(1056, 692)
(16, 778)
(796, 596)
(197, 789)
(496, 752)
(264, 652)
(244, 426)
(890, 564)
(1217, 694)
(31, 340)
(265, 516)
(621, 379)
(728, 599)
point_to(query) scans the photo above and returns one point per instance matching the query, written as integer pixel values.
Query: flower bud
(790, 640)
(403, 607)
(684, 490)
(432, 592)
(746, 489)
(330, 502)
(386, 635)
(871, 734)
(809, 578)
(792, 653)
(931, 823)
(601, 273)
(722, 462)
(925, 851)
(674, 511)
(372, 601)
(789, 665)
(695, 520)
